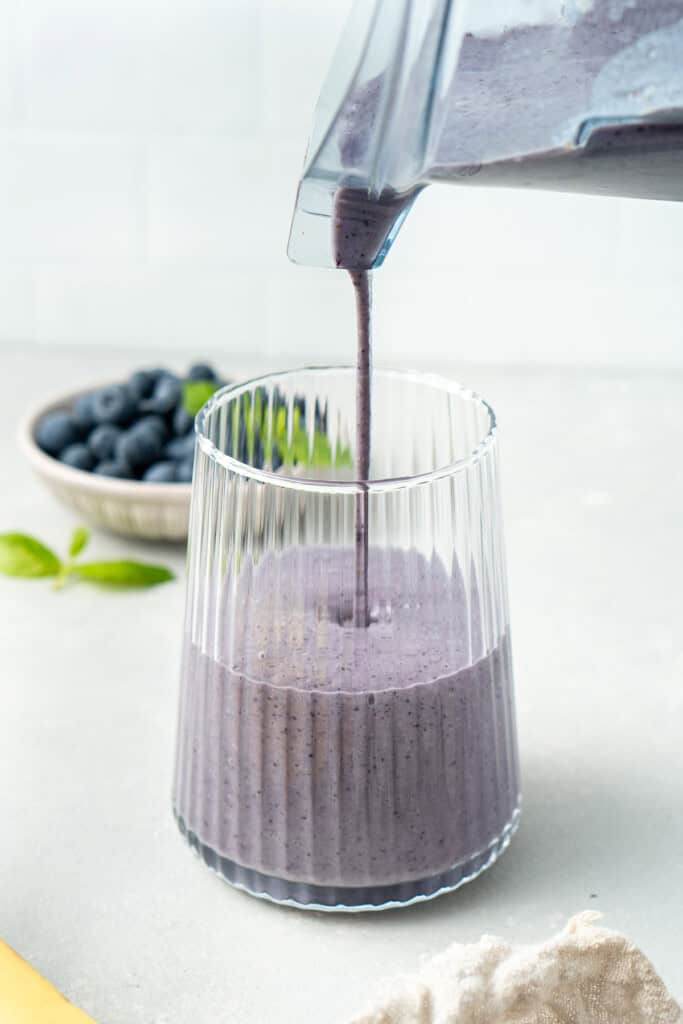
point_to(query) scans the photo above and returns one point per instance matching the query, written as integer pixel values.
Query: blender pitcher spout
(376, 119)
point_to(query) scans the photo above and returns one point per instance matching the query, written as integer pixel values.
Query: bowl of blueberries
(122, 455)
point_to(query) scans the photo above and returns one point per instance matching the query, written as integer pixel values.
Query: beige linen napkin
(585, 975)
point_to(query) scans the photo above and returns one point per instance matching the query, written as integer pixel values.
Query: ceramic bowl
(130, 507)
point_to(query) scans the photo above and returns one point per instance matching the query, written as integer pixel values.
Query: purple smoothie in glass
(337, 765)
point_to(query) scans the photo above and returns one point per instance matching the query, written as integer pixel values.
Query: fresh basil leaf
(322, 452)
(343, 457)
(196, 393)
(124, 573)
(79, 538)
(21, 555)
(296, 450)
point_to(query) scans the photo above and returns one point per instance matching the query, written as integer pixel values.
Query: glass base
(307, 896)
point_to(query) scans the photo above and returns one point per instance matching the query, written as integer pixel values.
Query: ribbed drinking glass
(323, 759)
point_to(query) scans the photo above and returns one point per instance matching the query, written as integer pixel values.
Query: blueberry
(184, 472)
(257, 456)
(102, 441)
(112, 468)
(320, 417)
(82, 412)
(300, 404)
(160, 473)
(164, 397)
(141, 383)
(153, 422)
(113, 404)
(279, 399)
(78, 456)
(57, 431)
(139, 446)
(180, 448)
(201, 371)
(183, 421)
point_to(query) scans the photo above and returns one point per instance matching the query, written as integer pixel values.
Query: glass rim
(243, 469)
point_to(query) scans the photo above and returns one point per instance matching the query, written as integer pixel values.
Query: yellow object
(27, 998)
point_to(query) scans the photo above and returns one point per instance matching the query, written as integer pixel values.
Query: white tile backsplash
(298, 40)
(213, 202)
(651, 242)
(309, 317)
(7, 74)
(78, 199)
(17, 304)
(494, 233)
(506, 321)
(163, 306)
(142, 66)
(149, 159)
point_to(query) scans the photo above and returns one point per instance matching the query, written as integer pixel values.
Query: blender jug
(580, 95)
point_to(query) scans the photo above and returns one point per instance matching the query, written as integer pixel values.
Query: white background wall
(149, 153)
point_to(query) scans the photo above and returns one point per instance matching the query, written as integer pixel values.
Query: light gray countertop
(99, 892)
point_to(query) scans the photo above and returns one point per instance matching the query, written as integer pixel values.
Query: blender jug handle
(376, 122)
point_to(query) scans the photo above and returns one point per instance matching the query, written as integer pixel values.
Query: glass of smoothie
(346, 734)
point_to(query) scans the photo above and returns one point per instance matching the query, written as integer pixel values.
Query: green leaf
(270, 425)
(196, 393)
(21, 555)
(123, 574)
(79, 538)
(297, 450)
(322, 453)
(280, 430)
(343, 457)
